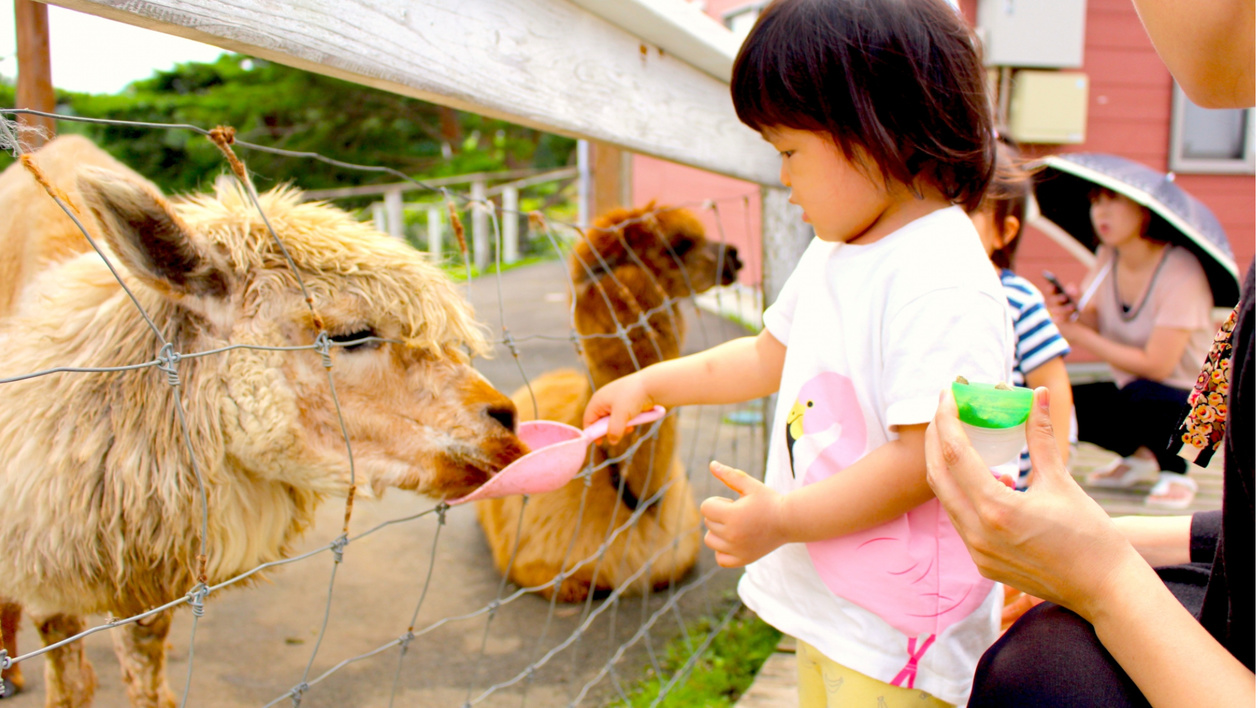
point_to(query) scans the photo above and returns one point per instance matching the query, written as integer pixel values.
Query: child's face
(839, 199)
(1116, 219)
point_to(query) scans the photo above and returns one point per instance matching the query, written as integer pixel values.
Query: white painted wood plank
(543, 63)
(678, 27)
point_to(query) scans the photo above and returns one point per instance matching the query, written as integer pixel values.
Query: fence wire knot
(167, 360)
(323, 345)
(406, 640)
(509, 340)
(196, 599)
(297, 692)
(338, 547)
(442, 508)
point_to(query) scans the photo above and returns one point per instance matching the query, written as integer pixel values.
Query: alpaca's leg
(10, 617)
(69, 679)
(141, 650)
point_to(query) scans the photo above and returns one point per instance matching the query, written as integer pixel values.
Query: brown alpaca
(102, 505)
(631, 264)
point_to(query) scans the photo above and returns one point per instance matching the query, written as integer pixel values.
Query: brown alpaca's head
(668, 243)
(628, 274)
(417, 415)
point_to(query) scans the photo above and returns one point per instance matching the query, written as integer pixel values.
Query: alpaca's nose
(732, 265)
(505, 415)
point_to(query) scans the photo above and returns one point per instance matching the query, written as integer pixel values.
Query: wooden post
(379, 217)
(395, 216)
(510, 225)
(480, 225)
(783, 237)
(607, 175)
(34, 68)
(434, 232)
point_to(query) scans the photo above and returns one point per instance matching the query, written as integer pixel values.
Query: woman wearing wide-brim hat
(1162, 263)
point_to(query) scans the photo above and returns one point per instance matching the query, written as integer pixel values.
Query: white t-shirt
(873, 333)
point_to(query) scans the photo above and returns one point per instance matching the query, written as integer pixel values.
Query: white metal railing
(389, 212)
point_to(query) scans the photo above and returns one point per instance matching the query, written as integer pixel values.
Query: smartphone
(1059, 288)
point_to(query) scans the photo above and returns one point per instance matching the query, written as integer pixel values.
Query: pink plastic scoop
(558, 451)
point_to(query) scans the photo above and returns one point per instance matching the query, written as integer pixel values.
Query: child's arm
(738, 370)
(882, 485)
(1053, 376)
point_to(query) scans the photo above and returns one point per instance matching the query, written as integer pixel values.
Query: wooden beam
(34, 69)
(548, 64)
(607, 175)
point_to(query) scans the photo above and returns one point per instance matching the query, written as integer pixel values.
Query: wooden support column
(34, 68)
(480, 209)
(510, 225)
(607, 173)
(435, 229)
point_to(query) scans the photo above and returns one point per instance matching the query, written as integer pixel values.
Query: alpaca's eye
(356, 340)
(683, 246)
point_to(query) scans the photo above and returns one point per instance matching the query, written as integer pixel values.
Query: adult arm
(1154, 362)
(1160, 540)
(1055, 542)
(735, 371)
(1208, 46)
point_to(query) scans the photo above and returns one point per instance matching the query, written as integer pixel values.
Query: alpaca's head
(668, 243)
(416, 414)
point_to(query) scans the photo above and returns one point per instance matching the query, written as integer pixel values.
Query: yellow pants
(825, 684)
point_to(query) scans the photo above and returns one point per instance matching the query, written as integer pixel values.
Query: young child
(1039, 356)
(880, 114)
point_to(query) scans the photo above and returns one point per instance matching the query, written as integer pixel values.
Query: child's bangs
(765, 90)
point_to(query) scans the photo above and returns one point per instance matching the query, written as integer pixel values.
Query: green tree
(278, 106)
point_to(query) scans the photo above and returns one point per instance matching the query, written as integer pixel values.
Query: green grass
(458, 272)
(721, 673)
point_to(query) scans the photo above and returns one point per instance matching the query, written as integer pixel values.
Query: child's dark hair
(1006, 196)
(901, 79)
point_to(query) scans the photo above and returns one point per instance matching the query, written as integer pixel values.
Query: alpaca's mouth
(477, 469)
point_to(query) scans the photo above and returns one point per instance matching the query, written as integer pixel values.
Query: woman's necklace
(1137, 282)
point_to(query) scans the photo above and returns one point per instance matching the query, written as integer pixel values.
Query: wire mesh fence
(400, 599)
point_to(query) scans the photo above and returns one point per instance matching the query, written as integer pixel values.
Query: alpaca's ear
(150, 240)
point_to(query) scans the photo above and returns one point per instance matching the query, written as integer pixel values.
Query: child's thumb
(1042, 444)
(735, 479)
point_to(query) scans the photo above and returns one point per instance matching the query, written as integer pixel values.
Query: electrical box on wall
(1048, 107)
(1032, 33)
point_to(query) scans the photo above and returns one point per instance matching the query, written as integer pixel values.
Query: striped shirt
(1039, 340)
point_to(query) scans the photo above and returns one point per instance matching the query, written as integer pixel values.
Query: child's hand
(745, 529)
(621, 399)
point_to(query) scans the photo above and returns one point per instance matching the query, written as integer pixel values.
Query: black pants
(1052, 658)
(1141, 414)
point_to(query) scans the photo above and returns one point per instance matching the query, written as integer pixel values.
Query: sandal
(1160, 497)
(1138, 469)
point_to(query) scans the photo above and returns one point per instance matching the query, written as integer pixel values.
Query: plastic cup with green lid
(994, 418)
